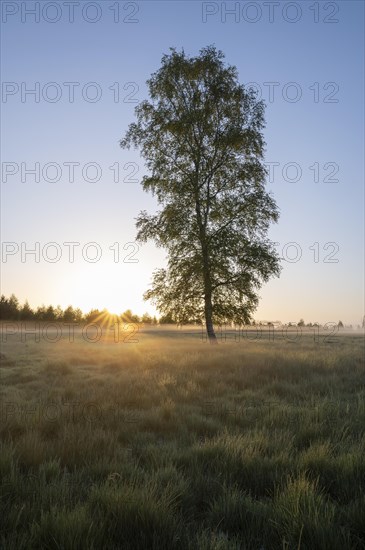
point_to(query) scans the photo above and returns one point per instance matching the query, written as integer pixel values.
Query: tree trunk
(208, 309)
(208, 319)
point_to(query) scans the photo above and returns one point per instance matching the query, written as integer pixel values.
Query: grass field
(169, 442)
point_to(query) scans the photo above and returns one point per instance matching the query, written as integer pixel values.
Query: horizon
(106, 312)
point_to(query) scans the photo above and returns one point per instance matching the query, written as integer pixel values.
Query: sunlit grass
(172, 443)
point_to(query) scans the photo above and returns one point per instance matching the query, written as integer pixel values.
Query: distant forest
(12, 310)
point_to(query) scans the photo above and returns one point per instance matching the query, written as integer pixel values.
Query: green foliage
(26, 313)
(167, 319)
(201, 138)
(9, 308)
(129, 317)
(146, 319)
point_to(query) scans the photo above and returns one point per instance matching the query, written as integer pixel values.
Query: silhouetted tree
(9, 308)
(201, 137)
(41, 313)
(78, 315)
(92, 316)
(129, 317)
(26, 312)
(50, 314)
(69, 315)
(14, 307)
(58, 313)
(146, 319)
(340, 324)
(167, 319)
(4, 308)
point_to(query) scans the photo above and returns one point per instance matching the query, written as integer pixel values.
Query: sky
(72, 74)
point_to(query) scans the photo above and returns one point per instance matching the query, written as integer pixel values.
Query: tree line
(12, 310)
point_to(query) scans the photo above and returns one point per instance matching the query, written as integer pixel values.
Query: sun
(98, 286)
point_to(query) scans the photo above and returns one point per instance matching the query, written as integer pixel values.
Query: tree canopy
(200, 134)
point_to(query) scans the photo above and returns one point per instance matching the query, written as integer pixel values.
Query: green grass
(171, 443)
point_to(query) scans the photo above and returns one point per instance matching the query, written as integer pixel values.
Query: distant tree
(301, 323)
(129, 317)
(69, 315)
(201, 137)
(50, 314)
(4, 308)
(340, 324)
(13, 307)
(126, 316)
(58, 313)
(78, 315)
(146, 319)
(41, 313)
(154, 320)
(167, 320)
(363, 322)
(26, 313)
(92, 316)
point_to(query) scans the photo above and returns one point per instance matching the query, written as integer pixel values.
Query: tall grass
(170, 443)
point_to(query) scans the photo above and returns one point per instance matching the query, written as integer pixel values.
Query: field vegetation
(170, 443)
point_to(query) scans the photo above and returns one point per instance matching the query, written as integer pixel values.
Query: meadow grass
(169, 443)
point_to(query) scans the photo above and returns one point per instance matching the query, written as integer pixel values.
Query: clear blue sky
(322, 53)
